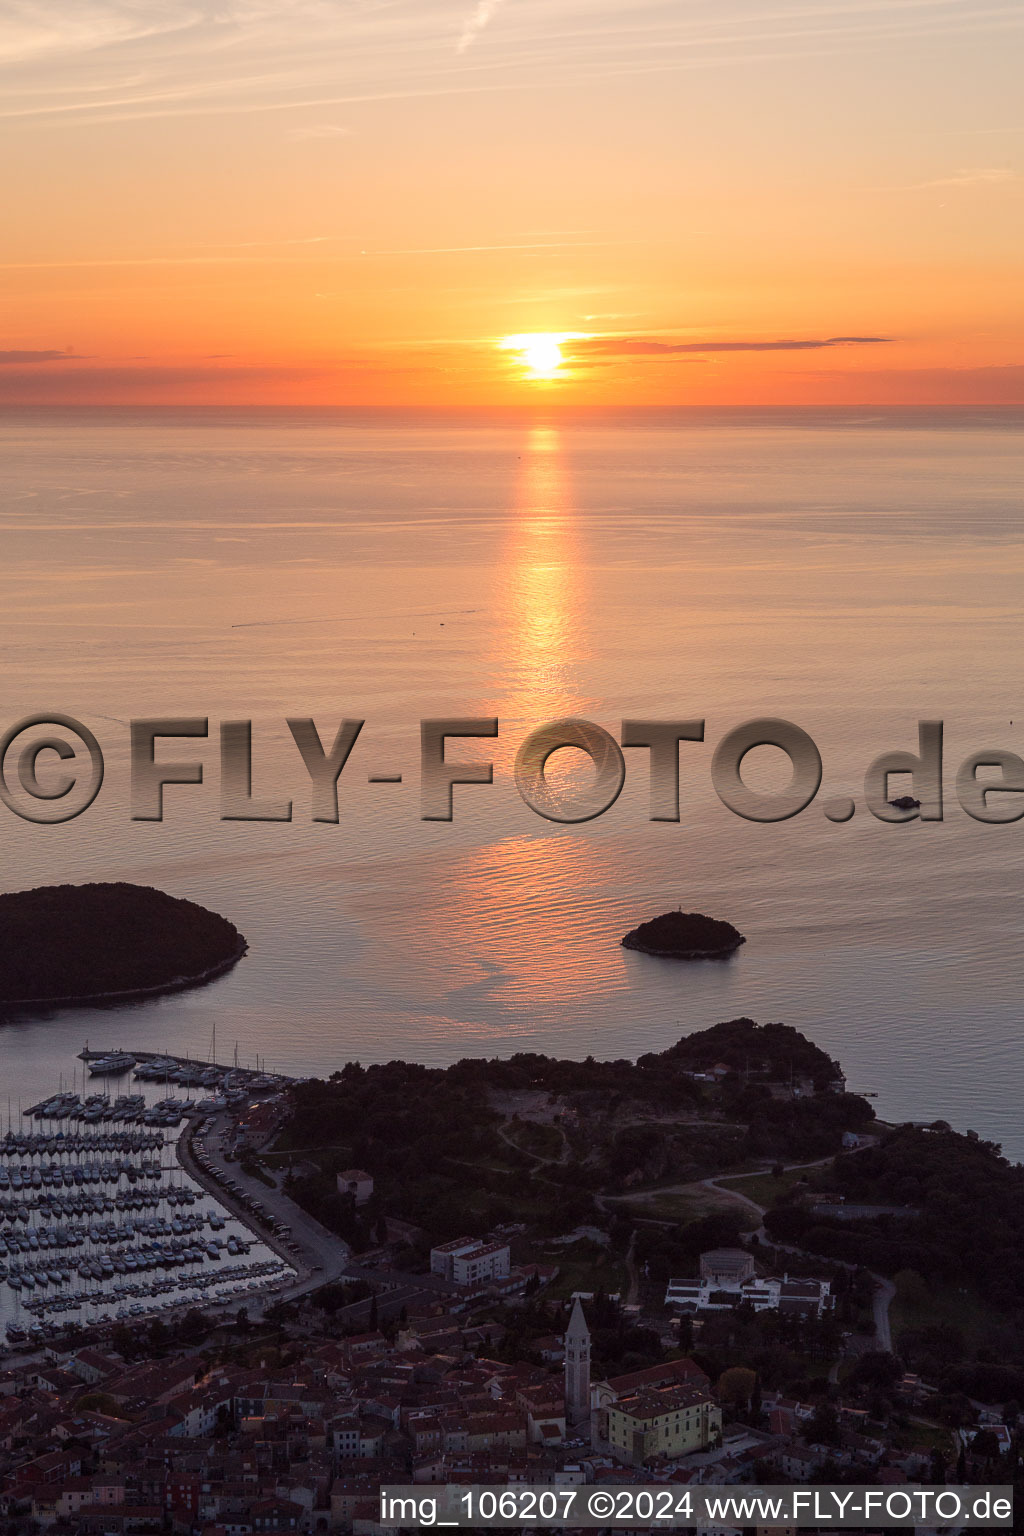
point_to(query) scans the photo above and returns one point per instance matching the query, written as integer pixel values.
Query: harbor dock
(155, 1065)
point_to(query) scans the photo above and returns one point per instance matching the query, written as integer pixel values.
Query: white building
(354, 1182)
(468, 1261)
(726, 1266)
(721, 1294)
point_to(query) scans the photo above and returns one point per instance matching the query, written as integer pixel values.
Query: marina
(99, 1222)
(152, 1066)
(223, 1086)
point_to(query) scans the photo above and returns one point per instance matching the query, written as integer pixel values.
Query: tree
(158, 1334)
(911, 1288)
(876, 1371)
(985, 1445)
(823, 1428)
(954, 1409)
(737, 1386)
(194, 1324)
(124, 1342)
(374, 1319)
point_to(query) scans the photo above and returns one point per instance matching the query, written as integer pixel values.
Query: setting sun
(541, 355)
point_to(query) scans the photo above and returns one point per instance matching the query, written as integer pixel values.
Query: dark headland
(685, 936)
(74, 945)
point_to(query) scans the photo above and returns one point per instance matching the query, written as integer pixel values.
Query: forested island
(73, 945)
(685, 936)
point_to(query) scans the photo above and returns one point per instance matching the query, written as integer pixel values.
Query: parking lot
(318, 1255)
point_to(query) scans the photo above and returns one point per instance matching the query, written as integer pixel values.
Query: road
(714, 1183)
(541, 1161)
(633, 1285)
(322, 1255)
(884, 1289)
(735, 1194)
(883, 1299)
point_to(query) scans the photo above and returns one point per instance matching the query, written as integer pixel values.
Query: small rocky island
(685, 936)
(74, 945)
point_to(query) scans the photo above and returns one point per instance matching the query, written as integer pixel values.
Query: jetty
(224, 1088)
(193, 1071)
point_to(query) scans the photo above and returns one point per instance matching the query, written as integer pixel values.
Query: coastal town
(592, 1276)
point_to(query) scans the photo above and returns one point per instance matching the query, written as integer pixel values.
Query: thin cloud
(199, 381)
(9, 358)
(234, 258)
(318, 131)
(256, 245)
(649, 346)
(267, 251)
(190, 57)
(459, 250)
(986, 176)
(481, 17)
(999, 385)
(41, 28)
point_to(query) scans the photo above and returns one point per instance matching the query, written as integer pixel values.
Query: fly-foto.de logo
(52, 770)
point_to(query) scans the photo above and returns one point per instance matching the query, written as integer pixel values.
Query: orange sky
(351, 202)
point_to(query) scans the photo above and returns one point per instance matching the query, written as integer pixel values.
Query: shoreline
(130, 994)
(309, 1276)
(683, 935)
(682, 954)
(223, 1197)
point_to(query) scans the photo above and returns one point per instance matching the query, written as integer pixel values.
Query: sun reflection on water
(525, 904)
(544, 640)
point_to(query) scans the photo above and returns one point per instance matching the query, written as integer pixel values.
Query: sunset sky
(380, 202)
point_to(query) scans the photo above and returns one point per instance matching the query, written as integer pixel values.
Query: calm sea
(851, 571)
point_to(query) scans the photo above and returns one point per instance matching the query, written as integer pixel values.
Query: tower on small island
(577, 1371)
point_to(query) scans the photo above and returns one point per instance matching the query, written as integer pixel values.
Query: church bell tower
(577, 1371)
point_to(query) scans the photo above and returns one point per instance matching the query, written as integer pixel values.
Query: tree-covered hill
(76, 943)
(776, 1052)
(433, 1138)
(967, 1212)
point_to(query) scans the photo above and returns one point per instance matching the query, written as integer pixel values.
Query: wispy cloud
(984, 176)
(283, 252)
(458, 250)
(651, 346)
(481, 16)
(257, 245)
(9, 358)
(36, 29)
(235, 255)
(998, 385)
(202, 380)
(109, 61)
(318, 131)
